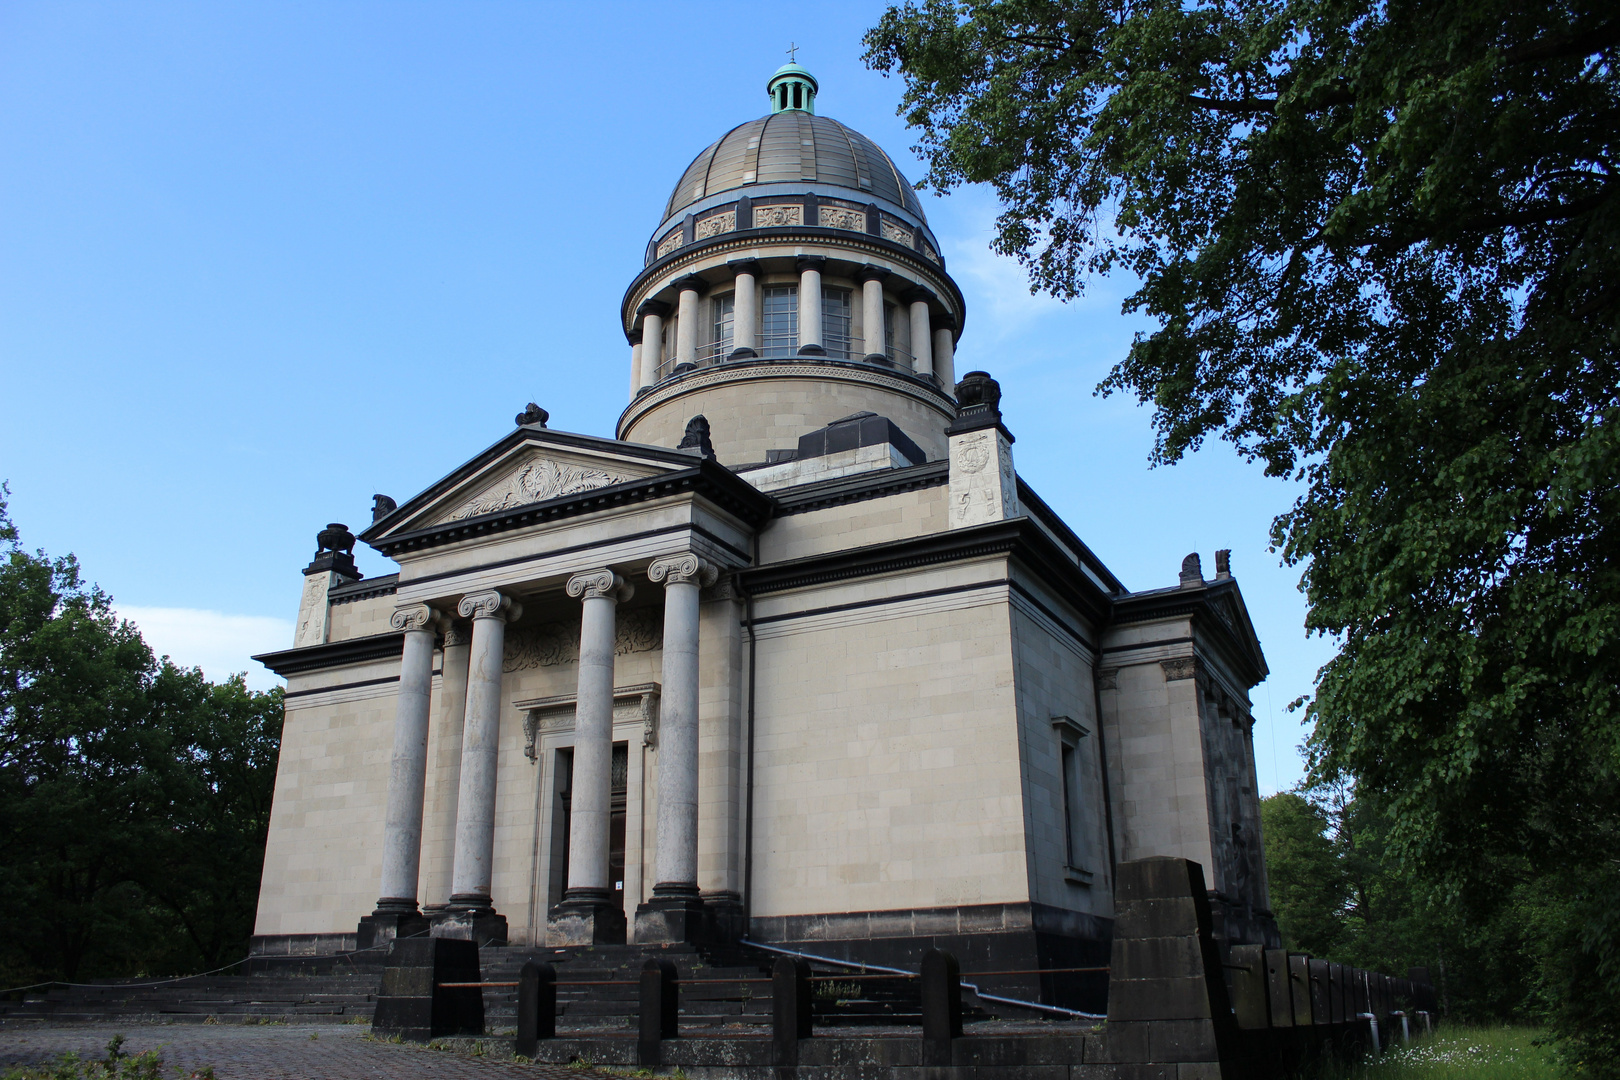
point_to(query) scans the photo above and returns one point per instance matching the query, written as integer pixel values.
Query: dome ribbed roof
(789, 147)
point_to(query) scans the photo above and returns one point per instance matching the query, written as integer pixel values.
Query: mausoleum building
(794, 657)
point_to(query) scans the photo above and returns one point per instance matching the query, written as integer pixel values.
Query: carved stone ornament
(535, 481)
(597, 584)
(552, 644)
(413, 617)
(1184, 667)
(489, 605)
(1108, 678)
(976, 452)
(896, 233)
(682, 570)
(836, 217)
(719, 223)
(669, 243)
(631, 704)
(766, 217)
(335, 537)
(456, 633)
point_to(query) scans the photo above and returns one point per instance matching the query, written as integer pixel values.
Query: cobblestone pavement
(271, 1052)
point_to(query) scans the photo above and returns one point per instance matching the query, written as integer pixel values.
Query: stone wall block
(1168, 957)
(1158, 999)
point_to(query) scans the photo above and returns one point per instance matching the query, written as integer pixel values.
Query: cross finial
(792, 52)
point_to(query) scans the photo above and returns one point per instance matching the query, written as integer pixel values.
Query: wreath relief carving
(536, 481)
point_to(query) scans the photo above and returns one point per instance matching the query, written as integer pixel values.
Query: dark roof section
(706, 478)
(793, 147)
(334, 654)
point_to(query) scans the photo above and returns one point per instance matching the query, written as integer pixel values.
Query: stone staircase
(723, 991)
(239, 999)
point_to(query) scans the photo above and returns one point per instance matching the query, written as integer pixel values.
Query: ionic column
(635, 362)
(444, 746)
(810, 343)
(587, 914)
(652, 339)
(686, 323)
(744, 315)
(922, 362)
(407, 777)
(945, 355)
(675, 912)
(475, 801)
(871, 279)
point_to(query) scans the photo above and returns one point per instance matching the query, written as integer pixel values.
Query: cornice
(821, 494)
(677, 262)
(790, 368)
(707, 479)
(1018, 537)
(1236, 638)
(333, 654)
(367, 589)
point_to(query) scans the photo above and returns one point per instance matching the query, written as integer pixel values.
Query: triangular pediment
(532, 465)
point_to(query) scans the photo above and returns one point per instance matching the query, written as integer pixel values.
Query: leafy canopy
(1381, 246)
(134, 794)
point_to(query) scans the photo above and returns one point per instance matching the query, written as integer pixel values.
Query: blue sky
(259, 261)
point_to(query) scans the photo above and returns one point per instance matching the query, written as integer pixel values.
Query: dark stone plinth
(941, 1006)
(675, 913)
(467, 921)
(413, 1001)
(812, 349)
(392, 919)
(728, 919)
(585, 917)
(537, 1006)
(791, 1018)
(660, 1010)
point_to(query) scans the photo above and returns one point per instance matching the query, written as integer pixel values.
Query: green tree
(1308, 884)
(1381, 244)
(134, 795)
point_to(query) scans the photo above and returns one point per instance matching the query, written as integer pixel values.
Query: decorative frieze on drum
(715, 225)
(551, 644)
(669, 243)
(775, 217)
(837, 217)
(535, 481)
(897, 233)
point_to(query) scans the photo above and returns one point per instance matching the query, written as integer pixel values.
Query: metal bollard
(536, 1006)
(1372, 1027)
(790, 1009)
(660, 1010)
(941, 1006)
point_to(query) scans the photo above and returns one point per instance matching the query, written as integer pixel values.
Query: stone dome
(793, 146)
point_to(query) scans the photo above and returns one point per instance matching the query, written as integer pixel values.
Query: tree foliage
(1380, 243)
(134, 794)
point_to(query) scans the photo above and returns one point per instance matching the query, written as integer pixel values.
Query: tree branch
(1558, 46)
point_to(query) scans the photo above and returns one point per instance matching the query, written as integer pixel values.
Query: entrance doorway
(562, 820)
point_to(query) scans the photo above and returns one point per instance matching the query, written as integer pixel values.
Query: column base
(812, 350)
(394, 918)
(675, 913)
(880, 359)
(470, 918)
(743, 352)
(585, 917)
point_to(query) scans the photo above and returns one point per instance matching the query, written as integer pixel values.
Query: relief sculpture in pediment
(536, 481)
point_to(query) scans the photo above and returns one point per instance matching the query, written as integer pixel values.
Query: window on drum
(836, 322)
(779, 329)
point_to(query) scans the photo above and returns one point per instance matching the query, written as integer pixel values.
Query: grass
(1456, 1053)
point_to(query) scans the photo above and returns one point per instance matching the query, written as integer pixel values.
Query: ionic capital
(600, 584)
(413, 617)
(685, 569)
(489, 605)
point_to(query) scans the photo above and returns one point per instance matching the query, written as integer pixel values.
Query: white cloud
(220, 644)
